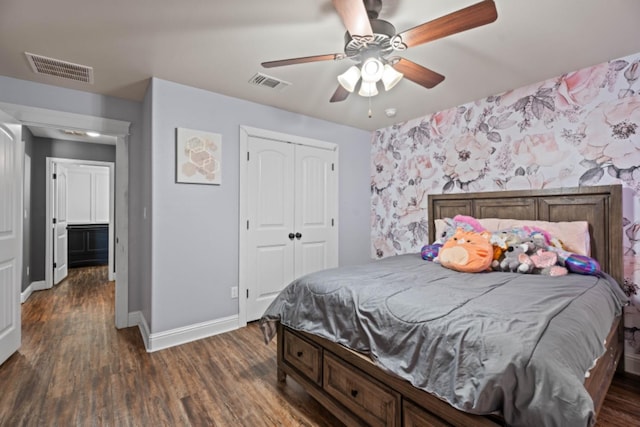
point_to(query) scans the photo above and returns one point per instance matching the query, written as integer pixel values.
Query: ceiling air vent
(58, 68)
(267, 81)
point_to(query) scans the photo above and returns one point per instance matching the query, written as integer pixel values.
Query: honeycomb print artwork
(198, 157)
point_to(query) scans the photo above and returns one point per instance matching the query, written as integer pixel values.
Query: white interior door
(10, 235)
(271, 222)
(316, 194)
(60, 206)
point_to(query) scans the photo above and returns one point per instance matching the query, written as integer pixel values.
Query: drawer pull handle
(299, 354)
(354, 393)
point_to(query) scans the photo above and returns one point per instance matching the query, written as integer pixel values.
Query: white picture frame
(198, 157)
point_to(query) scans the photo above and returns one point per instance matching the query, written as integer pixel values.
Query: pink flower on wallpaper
(412, 205)
(525, 182)
(443, 121)
(613, 134)
(383, 170)
(581, 87)
(537, 149)
(466, 158)
(419, 166)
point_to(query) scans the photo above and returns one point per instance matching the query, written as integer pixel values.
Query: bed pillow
(574, 235)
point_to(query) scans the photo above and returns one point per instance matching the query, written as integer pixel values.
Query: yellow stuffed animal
(467, 251)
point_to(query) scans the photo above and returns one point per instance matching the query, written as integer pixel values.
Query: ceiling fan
(370, 42)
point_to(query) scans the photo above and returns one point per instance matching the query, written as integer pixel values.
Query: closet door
(316, 192)
(270, 194)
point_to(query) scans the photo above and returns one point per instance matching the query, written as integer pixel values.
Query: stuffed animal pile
(466, 246)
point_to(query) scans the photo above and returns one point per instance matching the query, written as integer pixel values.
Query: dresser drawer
(303, 355)
(414, 416)
(375, 403)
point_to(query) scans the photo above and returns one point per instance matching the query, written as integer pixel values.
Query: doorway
(60, 185)
(53, 119)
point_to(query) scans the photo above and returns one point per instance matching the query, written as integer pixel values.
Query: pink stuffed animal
(546, 262)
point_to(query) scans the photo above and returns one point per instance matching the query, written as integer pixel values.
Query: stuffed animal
(512, 256)
(467, 251)
(430, 252)
(546, 263)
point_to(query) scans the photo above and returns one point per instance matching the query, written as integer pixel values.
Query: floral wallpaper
(579, 129)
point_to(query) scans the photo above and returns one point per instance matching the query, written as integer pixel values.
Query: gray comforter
(515, 344)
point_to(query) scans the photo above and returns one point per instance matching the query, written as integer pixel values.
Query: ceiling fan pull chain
(370, 113)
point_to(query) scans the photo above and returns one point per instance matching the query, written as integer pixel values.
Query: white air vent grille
(267, 81)
(58, 68)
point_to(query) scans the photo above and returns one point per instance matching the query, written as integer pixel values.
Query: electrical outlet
(234, 292)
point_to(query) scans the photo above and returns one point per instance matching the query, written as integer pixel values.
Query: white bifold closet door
(292, 206)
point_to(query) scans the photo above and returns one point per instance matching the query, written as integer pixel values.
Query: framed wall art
(198, 157)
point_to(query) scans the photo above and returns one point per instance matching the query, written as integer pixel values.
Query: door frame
(48, 256)
(56, 119)
(245, 133)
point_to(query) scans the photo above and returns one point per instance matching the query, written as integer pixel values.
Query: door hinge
(247, 156)
(247, 224)
(54, 221)
(55, 176)
(247, 293)
(332, 222)
(55, 265)
(332, 166)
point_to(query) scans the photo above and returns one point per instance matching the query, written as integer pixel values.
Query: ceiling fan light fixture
(349, 79)
(368, 89)
(390, 77)
(372, 70)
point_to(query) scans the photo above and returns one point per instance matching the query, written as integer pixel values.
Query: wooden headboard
(600, 206)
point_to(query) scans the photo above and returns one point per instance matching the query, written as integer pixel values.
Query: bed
(362, 366)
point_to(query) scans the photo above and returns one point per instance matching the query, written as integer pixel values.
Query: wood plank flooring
(75, 369)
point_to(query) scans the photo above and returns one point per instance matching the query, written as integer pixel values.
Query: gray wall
(195, 227)
(196, 220)
(41, 149)
(27, 137)
(39, 95)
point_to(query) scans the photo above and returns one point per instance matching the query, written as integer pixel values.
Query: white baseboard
(34, 286)
(185, 334)
(136, 318)
(632, 363)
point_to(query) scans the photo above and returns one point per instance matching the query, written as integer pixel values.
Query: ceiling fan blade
(418, 74)
(340, 94)
(464, 19)
(291, 61)
(354, 17)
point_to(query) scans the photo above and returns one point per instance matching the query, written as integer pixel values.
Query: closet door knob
(298, 236)
(291, 236)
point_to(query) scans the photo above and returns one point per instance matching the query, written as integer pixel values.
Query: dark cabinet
(88, 245)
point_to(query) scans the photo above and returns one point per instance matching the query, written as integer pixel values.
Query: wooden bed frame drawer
(303, 355)
(414, 416)
(372, 401)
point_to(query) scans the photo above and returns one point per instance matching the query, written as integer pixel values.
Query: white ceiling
(218, 46)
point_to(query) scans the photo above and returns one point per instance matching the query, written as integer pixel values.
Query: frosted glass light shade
(368, 89)
(349, 79)
(390, 77)
(372, 70)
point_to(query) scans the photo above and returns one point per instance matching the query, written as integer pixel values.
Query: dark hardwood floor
(75, 369)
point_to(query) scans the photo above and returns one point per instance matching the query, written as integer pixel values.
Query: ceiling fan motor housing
(360, 48)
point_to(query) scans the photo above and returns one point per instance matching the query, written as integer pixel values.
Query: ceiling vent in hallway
(55, 67)
(267, 81)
